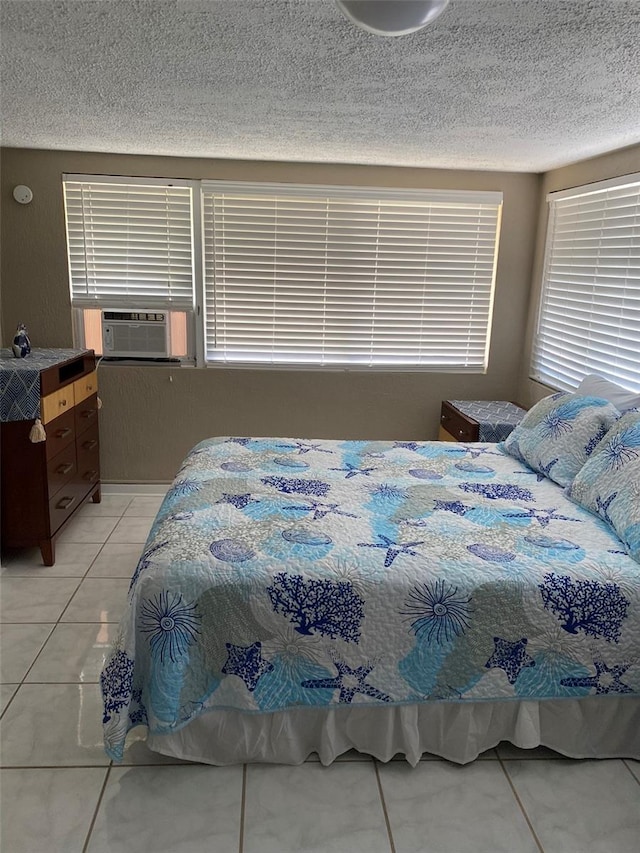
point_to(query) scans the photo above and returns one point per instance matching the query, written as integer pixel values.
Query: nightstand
(478, 420)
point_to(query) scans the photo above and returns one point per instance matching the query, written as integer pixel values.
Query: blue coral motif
(511, 657)
(595, 608)
(393, 549)
(318, 606)
(605, 681)
(297, 486)
(498, 491)
(116, 682)
(247, 663)
(456, 507)
(437, 611)
(238, 501)
(405, 445)
(171, 624)
(349, 682)
(138, 716)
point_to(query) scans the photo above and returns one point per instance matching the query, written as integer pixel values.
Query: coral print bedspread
(282, 573)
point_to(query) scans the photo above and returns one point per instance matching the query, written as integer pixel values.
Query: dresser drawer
(86, 413)
(459, 427)
(61, 469)
(65, 502)
(60, 433)
(57, 403)
(88, 457)
(85, 387)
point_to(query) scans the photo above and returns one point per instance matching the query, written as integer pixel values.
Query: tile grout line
(59, 618)
(521, 805)
(624, 761)
(55, 625)
(33, 662)
(50, 683)
(384, 808)
(97, 808)
(242, 808)
(68, 622)
(67, 766)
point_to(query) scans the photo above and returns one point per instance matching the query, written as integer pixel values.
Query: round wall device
(22, 194)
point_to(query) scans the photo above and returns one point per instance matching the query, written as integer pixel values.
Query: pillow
(609, 482)
(597, 386)
(558, 434)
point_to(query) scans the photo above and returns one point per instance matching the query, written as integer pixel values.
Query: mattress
(284, 576)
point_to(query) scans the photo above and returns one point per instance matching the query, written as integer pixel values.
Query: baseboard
(135, 488)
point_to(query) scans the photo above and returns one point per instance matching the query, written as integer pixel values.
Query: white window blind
(589, 319)
(324, 276)
(130, 242)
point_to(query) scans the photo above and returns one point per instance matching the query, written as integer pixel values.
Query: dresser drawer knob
(64, 469)
(460, 432)
(64, 503)
(89, 387)
(88, 413)
(63, 433)
(89, 445)
(63, 402)
(90, 476)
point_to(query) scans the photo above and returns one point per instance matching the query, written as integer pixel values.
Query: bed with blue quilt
(318, 595)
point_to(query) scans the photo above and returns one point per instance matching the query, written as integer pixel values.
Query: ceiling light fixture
(392, 17)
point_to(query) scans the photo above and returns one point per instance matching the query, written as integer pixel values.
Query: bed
(299, 596)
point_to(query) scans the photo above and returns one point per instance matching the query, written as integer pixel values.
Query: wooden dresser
(45, 483)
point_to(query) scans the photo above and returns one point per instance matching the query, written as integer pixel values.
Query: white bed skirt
(590, 727)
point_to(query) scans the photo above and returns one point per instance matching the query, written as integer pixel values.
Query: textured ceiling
(521, 85)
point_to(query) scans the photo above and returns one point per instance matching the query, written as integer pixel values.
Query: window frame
(535, 373)
(488, 197)
(197, 331)
(194, 333)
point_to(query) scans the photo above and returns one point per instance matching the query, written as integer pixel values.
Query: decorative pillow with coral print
(557, 436)
(609, 483)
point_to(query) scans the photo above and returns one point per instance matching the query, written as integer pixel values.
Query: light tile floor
(60, 792)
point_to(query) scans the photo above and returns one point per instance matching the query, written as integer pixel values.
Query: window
(284, 274)
(348, 277)
(589, 320)
(130, 247)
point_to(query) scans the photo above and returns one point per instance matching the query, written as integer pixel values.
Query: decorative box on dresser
(44, 482)
(478, 420)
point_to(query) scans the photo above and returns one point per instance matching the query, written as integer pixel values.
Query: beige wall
(153, 415)
(625, 161)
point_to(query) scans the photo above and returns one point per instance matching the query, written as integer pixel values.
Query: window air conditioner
(135, 334)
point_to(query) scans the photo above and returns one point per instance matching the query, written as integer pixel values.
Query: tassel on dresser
(37, 432)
